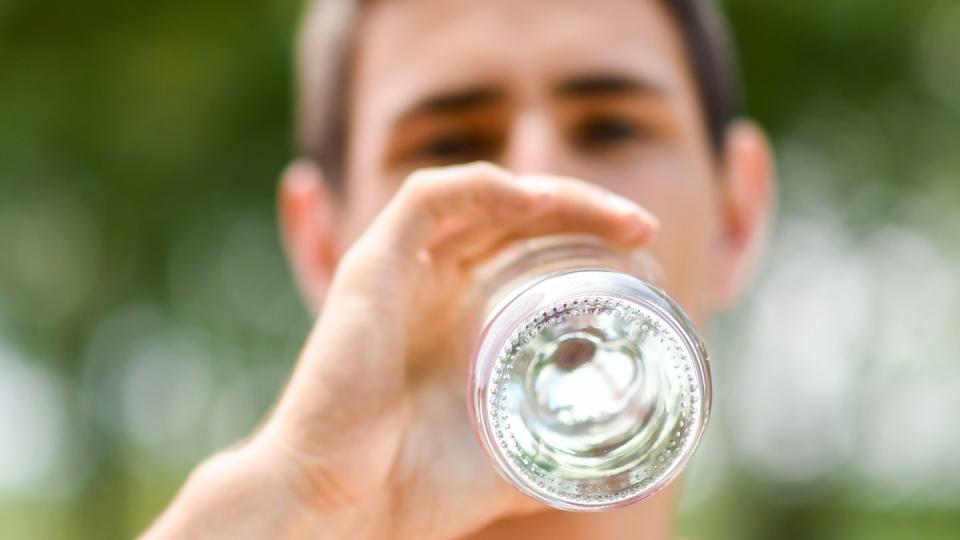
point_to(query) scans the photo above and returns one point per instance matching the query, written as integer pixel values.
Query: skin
(578, 111)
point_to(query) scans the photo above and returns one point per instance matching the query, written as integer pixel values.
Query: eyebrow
(477, 97)
(605, 84)
(456, 101)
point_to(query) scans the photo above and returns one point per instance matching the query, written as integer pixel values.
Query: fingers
(432, 199)
(574, 207)
(459, 213)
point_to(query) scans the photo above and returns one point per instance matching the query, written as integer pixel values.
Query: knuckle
(483, 169)
(420, 182)
(473, 186)
(480, 193)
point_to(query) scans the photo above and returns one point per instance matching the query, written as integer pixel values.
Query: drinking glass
(589, 387)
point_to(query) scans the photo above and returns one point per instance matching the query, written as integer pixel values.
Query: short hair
(325, 53)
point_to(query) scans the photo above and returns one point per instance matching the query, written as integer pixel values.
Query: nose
(533, 145)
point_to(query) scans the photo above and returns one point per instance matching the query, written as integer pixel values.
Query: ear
(747, 201)
(308, 218)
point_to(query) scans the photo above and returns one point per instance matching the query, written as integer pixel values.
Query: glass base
(591, 389)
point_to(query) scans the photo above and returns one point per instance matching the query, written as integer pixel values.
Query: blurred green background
(147, 317)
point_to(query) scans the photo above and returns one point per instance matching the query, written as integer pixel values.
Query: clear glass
(590, 388)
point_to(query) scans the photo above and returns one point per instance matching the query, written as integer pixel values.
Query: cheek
(683, 197)
(684, 248)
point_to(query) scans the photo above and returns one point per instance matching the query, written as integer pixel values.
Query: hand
(371, 437)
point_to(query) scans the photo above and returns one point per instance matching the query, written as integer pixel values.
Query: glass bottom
(594, 401)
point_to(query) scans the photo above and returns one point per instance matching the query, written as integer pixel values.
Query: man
(434, 133)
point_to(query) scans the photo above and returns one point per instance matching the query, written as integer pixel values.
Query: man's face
(595, 89)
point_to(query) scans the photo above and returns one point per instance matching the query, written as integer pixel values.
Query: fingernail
(652, 222)
(638, 224)
(627, 207)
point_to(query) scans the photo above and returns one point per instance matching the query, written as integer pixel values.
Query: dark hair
(325, 55)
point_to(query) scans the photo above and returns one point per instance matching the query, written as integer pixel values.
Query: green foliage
(139, 149)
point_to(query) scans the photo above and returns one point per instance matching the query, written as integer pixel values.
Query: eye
(455, 148)
(607, 131)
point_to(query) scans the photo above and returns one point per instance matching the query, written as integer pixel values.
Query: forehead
(409, 48)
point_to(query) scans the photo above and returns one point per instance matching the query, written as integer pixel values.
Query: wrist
(237, 493)
(325, 499)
